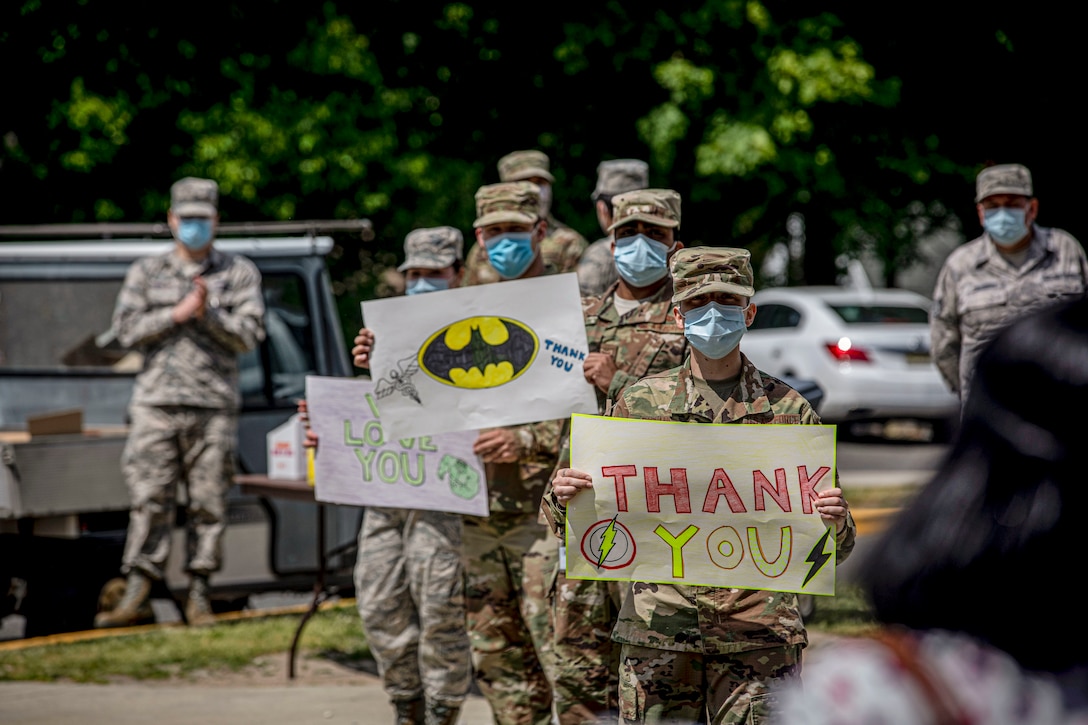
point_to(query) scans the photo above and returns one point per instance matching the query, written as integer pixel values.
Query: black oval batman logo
(479, 352)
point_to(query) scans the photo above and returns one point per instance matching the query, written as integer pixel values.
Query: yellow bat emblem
(479, 352)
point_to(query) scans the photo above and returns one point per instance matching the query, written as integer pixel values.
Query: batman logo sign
(479, 352)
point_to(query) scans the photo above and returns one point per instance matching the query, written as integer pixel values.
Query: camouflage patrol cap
(620, 175)
(194, 197)
(1003, 179)
(699, 270)
(432, 248)
(522, 165)
(515, 201)
(653, 206)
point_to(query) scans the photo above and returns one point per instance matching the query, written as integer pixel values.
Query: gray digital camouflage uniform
(687, 650)
(409, 574)
(597, 268)
(409, 584)
(979, 291)
(184, 405)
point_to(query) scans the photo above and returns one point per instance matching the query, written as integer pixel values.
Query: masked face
(421, 285)
(1006, 225)
(641, 261)
(194, 232)
(510, 253)
(715, 329)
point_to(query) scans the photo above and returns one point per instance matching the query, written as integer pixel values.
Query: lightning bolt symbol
(817, 557)
(607, 541)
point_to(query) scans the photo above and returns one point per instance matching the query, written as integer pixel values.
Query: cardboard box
(286, 455)
(64, 422)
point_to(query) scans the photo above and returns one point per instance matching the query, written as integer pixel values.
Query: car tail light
(844, 351)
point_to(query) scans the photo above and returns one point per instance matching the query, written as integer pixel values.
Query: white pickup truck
(63, 503)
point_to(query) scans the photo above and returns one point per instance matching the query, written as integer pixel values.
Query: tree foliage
(397, 111)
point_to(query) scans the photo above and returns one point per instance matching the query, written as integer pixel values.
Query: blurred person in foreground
(409, 578)
(971, 582)
(191, 311)
(1015, 267)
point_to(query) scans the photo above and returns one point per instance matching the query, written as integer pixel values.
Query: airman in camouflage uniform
(705, 654)
(1013, 268)
(597, 269)
(191, 312)
(506, 552)
(409, 576)
(631, 334)
(561, 248)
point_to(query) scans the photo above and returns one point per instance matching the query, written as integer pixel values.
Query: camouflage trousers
(661, 686)
(409, 589)
(586, 660)
(507, 623)
(170, 446)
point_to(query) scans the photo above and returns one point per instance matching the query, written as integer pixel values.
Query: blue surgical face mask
(1006, 225)
(715, 330)
(421, 285)
(195, 233)
(511, 253)
(641, 261)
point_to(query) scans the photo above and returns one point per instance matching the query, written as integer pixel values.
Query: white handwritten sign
(357, 463)
(715, 505)
(480, 357)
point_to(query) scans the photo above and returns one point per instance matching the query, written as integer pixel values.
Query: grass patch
(176, 651)
(847, 613)
(336, 632)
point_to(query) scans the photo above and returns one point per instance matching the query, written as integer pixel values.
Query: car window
(883, 314)
(772, 316)
(288, 346)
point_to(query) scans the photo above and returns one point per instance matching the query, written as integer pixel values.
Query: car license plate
(917, 358)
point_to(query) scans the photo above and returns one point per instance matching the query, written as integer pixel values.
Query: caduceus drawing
(400, 380)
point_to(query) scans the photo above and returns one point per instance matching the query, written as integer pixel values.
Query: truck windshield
(52, 325)
(63, 326)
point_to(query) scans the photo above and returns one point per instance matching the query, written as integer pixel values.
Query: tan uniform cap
(653, 206)
(523, 165)
(432, 248)
(1003, 179)
(516, 201)
(701, 270)
(194, 197)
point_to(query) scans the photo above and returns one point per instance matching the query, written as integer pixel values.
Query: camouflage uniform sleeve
(944, 330)
(619, 383)
(844, 540)
(237, 322)
(135, 322)
(553, 511)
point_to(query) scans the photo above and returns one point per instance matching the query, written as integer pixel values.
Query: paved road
(357, 703)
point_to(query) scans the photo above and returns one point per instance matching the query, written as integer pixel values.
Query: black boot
(439, 713)
(409, 712)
